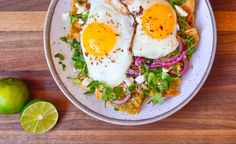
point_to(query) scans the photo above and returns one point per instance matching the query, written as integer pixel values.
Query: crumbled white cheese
(80, 21)
(140, 79)
(86, 82)
(66, 16)
(181, 11)
(81, 8)
(165, 70)
(129, 81)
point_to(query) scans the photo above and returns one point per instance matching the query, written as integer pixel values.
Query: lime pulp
(38, 116)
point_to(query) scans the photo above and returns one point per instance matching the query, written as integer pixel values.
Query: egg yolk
(99, 39)
(159, 21)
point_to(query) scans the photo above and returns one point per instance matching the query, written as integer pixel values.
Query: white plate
(202, 61)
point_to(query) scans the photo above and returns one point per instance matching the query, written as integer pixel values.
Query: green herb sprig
(158, 81)
(61, 58)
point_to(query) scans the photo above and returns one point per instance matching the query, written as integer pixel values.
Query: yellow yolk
(159, 21)
(99, 39)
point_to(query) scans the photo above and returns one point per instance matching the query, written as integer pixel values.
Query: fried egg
(156, 28)
(106, 39)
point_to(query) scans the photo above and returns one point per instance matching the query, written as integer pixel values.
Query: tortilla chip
(194, 34)
(189, 6)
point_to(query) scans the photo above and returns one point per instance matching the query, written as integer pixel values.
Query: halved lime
(38, 116)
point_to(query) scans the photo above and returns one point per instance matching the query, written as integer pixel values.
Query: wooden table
(209, 118)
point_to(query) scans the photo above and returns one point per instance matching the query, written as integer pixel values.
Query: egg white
(144, 45)
(111, 68)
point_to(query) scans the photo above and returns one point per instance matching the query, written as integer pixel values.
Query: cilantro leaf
(132, 87)
(191, 51)
(157, 98)
(92, 87)
(63, 65)
(182, 24)
(84, 16)
(60, 56)
(73, 18)
(176, 2)
(158, 81)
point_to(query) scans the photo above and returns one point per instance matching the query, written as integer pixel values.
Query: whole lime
(14, 95)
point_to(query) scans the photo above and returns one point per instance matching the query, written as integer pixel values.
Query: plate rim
(65, 91)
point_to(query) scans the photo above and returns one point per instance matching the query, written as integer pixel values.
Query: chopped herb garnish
(108, 93)
(63, 65)
(158, 81)
(157, 98)
(60, 56)
(176, 2)
(77, 57)
(116, 109)
(84, 16)
(75, 44)
(76, 81)
(189, 41)
(182, 25)
(118, 91)
(61, 59)
(191, 51)
(132, 87)
(146, 92)
(64, 39)
(73, 18)
(92, 87)
(77, 17)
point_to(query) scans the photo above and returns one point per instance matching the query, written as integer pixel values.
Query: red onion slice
(186, 67)
(133, 72)
(121, 102)
(177, 27)
(167, 64)
(138, 61)
(170, 59)
(181, 45)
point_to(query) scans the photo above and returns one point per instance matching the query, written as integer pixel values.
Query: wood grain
(24, 5)
(22, 21)
(120, 137)
(209, 118)
(34, 21)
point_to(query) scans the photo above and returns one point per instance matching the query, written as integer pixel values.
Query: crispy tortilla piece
(133, 106)
(73, 8)
(173, 89)
(194, 34)
(75, 28)
(98, 94)
(189, 6)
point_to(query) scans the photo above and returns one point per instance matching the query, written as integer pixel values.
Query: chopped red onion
(177, 27)
(121, 102)
(170, 59)
(186, 67)
(167, 64)
(138, 61)
(133, 72)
